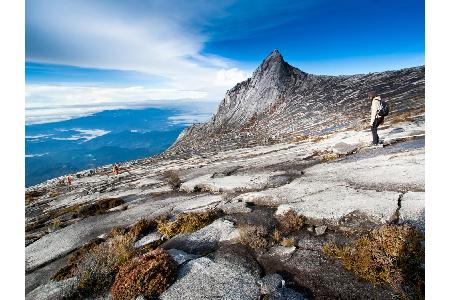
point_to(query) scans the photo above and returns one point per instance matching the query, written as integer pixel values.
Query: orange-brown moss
(288, 242)
(254, 236)
(289, 222)
(148, 275)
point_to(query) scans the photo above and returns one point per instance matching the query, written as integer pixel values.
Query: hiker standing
(379, 110)
(69, 180)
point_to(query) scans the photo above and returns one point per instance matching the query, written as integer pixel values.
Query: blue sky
(95, 53)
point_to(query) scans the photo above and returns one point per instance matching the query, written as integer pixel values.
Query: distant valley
(58, 148)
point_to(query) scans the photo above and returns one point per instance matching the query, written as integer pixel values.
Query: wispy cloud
(150, 37)
(49, 103)
(84, 134)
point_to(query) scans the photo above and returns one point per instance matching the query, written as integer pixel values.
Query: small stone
(320, 230)
(119, 208)
(150, 238)
(310, 228)
(283, 253)
(102, 236)
(342, 148)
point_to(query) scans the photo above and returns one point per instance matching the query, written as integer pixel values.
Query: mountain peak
(274, 57)
(273, 64)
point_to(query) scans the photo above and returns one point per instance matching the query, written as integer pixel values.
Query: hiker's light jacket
(376, 102)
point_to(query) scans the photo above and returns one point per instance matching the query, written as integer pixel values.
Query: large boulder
(206, 278)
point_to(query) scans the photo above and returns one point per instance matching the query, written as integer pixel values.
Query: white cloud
(189, 119)
(48, 103)
(35, 155)
(229, 77)
(84, 134)
(153, 38)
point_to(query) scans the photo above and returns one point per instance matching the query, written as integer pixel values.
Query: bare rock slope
(342, 189)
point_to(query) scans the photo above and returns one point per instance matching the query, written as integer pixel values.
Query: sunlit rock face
(280, 101)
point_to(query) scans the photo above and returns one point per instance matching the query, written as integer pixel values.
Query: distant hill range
(280, 102)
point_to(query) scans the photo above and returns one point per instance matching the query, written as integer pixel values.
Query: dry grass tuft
(70, 269)
(141, 228)
(330, 156)
(50, 218)
(186, 222)
(32, 196)
(277, 235)
(98, 267)
(117, 231)
(390, 254)
(172, 179)
(288, 242)
(254, 236)
(98, 207)
(299, 138)
(290, 222)
(148, 275)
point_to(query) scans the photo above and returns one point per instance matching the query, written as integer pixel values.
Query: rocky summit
(279, 196)
(280, 101)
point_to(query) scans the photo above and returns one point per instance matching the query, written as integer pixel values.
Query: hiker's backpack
(383, 111)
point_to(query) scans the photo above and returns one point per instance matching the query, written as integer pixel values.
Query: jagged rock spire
(272, 65)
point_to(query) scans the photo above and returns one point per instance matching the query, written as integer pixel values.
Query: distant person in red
(69, 180)
(115, 169)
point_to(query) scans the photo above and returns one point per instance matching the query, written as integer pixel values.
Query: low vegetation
(98, 207)
(142, 228)
(101, 263)
(289, 222)
(391, 254)
(148, 275)
(70, 269)
(33, 195)
(62, 216)
(186, 222)
(329, 156)
(98, 267)
(254, 236)
(172, 179)
(288, 242)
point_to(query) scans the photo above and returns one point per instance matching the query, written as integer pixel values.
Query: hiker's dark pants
(376, 123)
